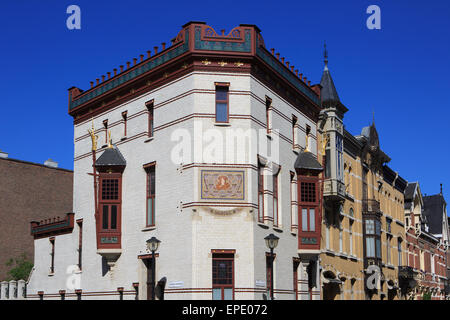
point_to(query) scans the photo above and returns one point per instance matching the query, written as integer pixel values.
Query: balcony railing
(406, 272)
(334, 188)
(370, 206)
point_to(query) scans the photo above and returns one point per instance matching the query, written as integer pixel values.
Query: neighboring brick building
(426, 228)
(29, 191)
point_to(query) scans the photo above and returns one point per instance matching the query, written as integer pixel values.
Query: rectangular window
(292, 200)
(52, 254)
(400, 252)
(150, 107)
(373, 238)
(275, 200)
(296, 263)
(223, 276)
(124, 117)
(339, 158)
(80, 242)
(308, 219)
(105, 126)
(269, 267)
(370, 247)
(110, 201)
(294, 131)
(388, 249)
(308, 192)
(260, 193)
(151, 185)
(268, 120)
(222, 103)
(350, 231)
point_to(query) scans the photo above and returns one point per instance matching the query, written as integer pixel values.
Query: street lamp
(271, 243)
(152, 245)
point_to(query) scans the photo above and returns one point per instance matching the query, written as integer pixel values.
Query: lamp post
(152, 245)
(271, 243)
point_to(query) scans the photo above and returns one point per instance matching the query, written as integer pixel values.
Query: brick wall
(28, 191)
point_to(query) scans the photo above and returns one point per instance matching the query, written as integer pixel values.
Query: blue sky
(400, 72)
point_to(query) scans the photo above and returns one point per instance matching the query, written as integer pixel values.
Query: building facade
(362, 227)
(427, 245)
(210, 145)
(150, 161)
(28, 191)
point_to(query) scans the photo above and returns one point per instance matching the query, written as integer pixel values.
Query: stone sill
(149, 139)
(222, 124)
(148, 228)
(278, 228)
(263, 225)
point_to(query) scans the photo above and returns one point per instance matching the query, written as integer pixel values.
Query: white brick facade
(187, 226)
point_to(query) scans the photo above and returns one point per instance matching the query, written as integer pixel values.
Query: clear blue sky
(400, 72)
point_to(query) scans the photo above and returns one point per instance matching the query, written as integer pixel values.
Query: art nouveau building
(362, 227)
(208, 145)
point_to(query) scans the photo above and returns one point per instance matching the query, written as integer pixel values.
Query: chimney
(50, 163)
(3, 155)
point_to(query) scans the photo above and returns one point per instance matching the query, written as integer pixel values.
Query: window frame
(375, 237)
(125, 118)
(109, 232)
(275, 196)
(148, 170)
(226, 101)
(261, 192)
(80, 243)
(294, 131)
(150, 105)
(223, 255)
(268, 114)
(52, 255)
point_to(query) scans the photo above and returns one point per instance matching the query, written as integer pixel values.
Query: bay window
(372, 236)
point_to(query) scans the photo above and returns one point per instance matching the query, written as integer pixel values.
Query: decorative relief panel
(222, 184)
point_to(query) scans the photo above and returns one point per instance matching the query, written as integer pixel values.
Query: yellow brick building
(363, 234)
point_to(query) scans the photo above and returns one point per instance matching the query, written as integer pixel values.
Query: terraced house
(425, 274)
(362, 226)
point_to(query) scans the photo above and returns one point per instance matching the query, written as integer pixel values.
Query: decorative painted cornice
(195, 41)
(52, 227)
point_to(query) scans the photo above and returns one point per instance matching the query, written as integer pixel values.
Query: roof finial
(373, 117)
(441, 188)
(110, 145)
(325, 55)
